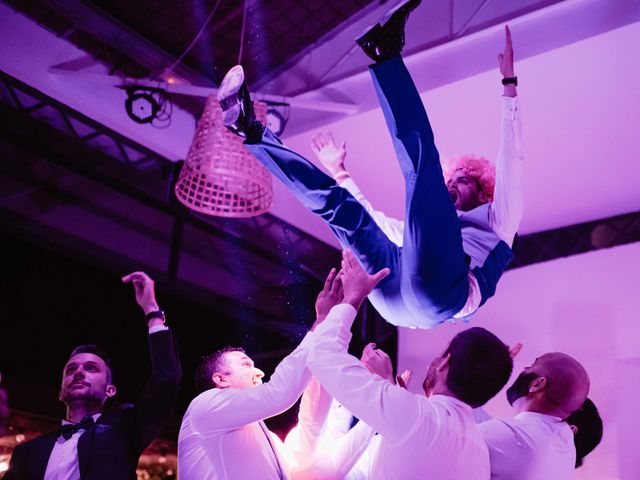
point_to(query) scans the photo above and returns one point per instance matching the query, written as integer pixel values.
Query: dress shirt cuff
(157, 328)
(338, 321)
(509, 107)
(350, 185)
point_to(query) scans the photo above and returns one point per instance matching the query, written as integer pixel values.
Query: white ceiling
(579, 90)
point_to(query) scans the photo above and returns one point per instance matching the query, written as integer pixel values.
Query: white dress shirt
(530, 446)
(63, 461)
(505, 212)
(320, 447)
(421, 438)
(223, 435)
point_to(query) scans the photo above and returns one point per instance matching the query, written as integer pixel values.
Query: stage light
(141, 106)
(276, 121)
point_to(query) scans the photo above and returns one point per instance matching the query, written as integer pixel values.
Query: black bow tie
(70, 428)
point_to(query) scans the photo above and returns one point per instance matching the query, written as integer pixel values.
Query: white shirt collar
(539, 416)
(450, 400)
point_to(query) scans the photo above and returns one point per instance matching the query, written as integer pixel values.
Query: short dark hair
(589, 433)
(209, 365)
(479, 367)
(98, 351)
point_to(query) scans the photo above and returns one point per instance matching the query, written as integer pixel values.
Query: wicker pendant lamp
(219, 176)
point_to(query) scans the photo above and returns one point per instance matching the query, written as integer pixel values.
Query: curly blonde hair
(477, 167)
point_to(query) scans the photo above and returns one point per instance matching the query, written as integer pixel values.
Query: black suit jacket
(110, 449)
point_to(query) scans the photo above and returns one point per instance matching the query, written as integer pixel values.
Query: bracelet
(339, 176)
(155, 314)
(510, 81)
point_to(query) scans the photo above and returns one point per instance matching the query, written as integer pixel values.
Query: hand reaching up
(144, 289)
(377, 361)
(330, 296)
(330, 155)
(356, 282)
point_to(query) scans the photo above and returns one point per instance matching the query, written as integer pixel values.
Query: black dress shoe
(385, 39)
(237, 107)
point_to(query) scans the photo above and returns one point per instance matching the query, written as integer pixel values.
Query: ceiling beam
(112, 32)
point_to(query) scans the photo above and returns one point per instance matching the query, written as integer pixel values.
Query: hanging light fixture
(219, 176)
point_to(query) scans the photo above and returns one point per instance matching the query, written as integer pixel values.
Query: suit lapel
(42, 451)
(84, 448)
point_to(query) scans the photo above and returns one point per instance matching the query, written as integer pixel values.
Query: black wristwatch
(155, 314)
(510, 81)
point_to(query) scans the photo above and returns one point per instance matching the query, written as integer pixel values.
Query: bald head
(556, 384)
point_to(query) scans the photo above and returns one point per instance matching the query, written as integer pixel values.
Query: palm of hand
(332, 155)
(326, 301)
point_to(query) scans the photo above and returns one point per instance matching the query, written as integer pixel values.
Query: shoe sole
(374, 29)
(228, 95)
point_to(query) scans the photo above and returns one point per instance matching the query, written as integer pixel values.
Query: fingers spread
(328, 282)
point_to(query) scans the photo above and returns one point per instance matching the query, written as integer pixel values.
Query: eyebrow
(75, 364)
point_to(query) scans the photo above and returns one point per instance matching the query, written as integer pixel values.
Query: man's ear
(482, 197)
(538, 384)
(444, 362)
(111, 391)
(219, 380)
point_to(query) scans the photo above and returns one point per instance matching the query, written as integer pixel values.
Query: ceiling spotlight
(141, 106)
(275, 121)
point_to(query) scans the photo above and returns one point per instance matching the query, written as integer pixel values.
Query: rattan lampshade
(219, 176)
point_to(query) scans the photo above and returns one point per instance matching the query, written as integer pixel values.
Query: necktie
(69, 429)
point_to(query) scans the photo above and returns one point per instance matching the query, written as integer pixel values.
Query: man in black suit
(90, 444)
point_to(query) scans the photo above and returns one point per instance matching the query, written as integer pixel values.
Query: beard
(453, 195)
(520, 388)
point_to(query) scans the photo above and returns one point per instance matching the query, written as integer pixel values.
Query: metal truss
(576, 239)
(246, 233)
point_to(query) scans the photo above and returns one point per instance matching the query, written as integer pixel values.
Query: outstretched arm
(230, 408)
(333, 157)
(507, 207)
(387, 408)
(158, 397)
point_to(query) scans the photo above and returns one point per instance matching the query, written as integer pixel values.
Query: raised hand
(402, 379)
(330, 155)
(356, 282)
(377, 361)
(505, 59)
(330, 296)
(515, 350)
(144, 289)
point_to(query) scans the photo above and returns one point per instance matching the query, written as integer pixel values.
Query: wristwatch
(155, 314)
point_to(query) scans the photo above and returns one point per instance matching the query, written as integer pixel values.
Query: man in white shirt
(432, 436)
(93, 444)
(537, 444)
(223, 435)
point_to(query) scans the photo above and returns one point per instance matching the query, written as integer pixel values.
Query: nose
(259, 373)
